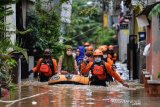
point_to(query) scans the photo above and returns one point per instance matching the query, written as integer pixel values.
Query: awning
(147, 9)
(142, 21)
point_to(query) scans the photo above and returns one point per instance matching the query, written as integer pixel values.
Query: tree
(87, 25)
(45, 25)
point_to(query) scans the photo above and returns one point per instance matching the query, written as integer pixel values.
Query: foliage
(86, 25)
(7, 49)
(45, 25)
(155, 11)
(103, 37)
(7, 63)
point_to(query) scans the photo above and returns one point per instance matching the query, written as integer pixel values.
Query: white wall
(11, 20)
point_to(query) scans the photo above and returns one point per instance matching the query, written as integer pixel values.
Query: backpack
(46, 68)
(99, 70)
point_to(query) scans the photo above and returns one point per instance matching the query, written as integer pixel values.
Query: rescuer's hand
(125, 84)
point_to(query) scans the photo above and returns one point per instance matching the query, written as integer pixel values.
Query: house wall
(155, 47)
(11, 20)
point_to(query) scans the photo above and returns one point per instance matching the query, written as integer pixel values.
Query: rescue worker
(46, 67)
(104, 49)
(86, 44)
(112, 54)
(88, 53)
(88, 58)
(99, 68)
(67, 63)
(90, 49)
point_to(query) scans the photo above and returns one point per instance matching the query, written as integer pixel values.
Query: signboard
(142, 36)
(124, 26)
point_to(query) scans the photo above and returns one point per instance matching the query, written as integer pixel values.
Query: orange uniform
(109, 61)
(109, 69)
(84, 64)
(37, 67)
(100, 69)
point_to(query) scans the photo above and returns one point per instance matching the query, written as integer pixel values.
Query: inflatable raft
(68, 79)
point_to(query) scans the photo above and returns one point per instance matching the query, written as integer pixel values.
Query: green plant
(158, 75)
(86, 25)
(155, 11)
(45, 25)
(7, 63)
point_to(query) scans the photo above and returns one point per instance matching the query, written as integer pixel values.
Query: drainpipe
(132, 29)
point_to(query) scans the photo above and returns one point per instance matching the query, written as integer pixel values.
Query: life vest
(99, 71)
(45, 68)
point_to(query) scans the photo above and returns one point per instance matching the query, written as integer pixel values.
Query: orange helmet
(86, 44)
(110, 47)
(103, 48)
(97, 52)
(90, 48)
(89, 53)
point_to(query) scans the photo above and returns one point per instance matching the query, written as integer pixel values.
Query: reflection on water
(36, 94)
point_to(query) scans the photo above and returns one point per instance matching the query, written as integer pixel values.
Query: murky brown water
(41, 95)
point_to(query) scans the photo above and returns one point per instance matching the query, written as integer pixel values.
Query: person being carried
(99, 69)
(46, 66)
(67, 63)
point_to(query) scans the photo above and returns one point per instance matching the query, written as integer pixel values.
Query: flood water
(35, 94)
